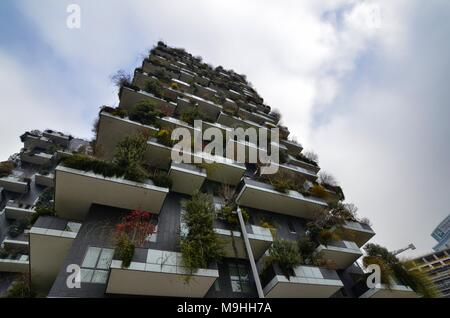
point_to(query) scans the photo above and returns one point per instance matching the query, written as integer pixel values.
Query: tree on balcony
(394, 269)
(133, 231)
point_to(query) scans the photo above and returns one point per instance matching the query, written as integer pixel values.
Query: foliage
(308, 157)
(282, 184)
(124, 249)
(174, 86)
(227, 213)
(161, 179)
(326, 178)
(144, 112)
(117, 111)
(21, 288)
(391, 266)
(87, 163)
(192, 114)
(137, 226)
(306, 248)
(17, 228)
(201, 245)
(44, 205)
(121, 78)
(318, 190)
(6, 168)
(164, 137)
(154, 87)
(163, 76)
(129, 157)
(286, 254)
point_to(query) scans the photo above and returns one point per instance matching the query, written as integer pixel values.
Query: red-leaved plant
(137, 226)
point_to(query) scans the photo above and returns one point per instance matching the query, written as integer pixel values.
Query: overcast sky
(365, 84)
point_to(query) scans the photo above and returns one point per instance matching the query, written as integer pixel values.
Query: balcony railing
(307, 282)
(342, 253)
(161, 273)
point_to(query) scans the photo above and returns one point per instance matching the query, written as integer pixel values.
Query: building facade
(64, 198)
(437, 266)
(442, 235)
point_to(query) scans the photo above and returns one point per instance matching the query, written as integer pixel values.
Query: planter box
(45, 180)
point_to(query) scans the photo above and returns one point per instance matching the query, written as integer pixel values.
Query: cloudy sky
(365, 84)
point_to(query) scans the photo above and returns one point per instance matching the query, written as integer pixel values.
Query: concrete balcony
(209, 108)
(18, 211)
(251, 152)
(58, 138)
(45, 180)
(221, 169)
(342, 253)
(159, 273)
(302, 164)
(112, 129)
(186, 76)
(19, 264)
(14, 184)
(235, 122)
(205, 92)
(158, 155)
(173, 123)
(76, 191)
(293, 147)
(262, 196)
(32, 141)
(50, 241)
(183, 86)
(129, 98)
(20, 246)
(307, 282)
(186, 178)
(295, 171)
(359, 233)
(36, 158)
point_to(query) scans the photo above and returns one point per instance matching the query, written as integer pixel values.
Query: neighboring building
(442, 235)
(176, 88)
(437, 266)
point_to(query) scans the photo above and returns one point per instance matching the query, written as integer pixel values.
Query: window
(95, 266)
(291, 227)
(240, 281)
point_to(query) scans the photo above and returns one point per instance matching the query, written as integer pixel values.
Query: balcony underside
(186, 178)
(343, 257)
(264, 197)
(76, 190)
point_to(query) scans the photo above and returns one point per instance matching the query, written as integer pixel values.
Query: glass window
(240, 280)
(96, 258)
(291, 227)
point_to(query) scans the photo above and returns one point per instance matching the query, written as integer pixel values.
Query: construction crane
(410, 246)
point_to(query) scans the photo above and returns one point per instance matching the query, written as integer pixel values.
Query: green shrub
(144, 112)
(20, 288)
(129, 157)
(192, 114)
(6, 168)
(124, 249)
(86, 163)
(282, 184)
(164, 137)
(3, 253)
(286, 255)
(306, 248)
(161, 179)
(118, 112)
(201, 245)
(227, 213)
(154, 87)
